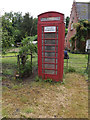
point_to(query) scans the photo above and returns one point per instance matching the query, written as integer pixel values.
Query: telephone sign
(50, 29)
(51, 33)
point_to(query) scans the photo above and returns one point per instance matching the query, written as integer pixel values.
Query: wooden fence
(18, 61)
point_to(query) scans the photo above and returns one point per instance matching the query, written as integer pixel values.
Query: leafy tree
(67, 21)
(15, 27)
(34, 28)
(27, 24)
(7, 31)
(16, 23)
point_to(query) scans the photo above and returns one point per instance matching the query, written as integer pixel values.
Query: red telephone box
(51, 33)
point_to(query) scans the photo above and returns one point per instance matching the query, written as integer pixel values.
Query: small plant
(49, 80)
(28, 110)
(15, 87)
(26, 70)
(27, 47)
(71, 69)
(63, 82)
(37, 79)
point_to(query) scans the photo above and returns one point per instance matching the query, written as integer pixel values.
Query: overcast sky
(36, 7)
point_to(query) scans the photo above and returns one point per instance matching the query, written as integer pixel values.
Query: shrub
(26, 70)
(27, 48)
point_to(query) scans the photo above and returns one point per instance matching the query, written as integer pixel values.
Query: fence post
(89, 80)
(31, 62)
(67, 63)
(18, 62)
(89, 67)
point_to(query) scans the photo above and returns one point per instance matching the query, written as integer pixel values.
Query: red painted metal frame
(61, 35)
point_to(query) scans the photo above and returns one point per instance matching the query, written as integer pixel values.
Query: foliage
(11, 29)
(25, 70)
(29, 25)
(72, 41)
(27, 48)
(66, 30)
(66, 25)
(49, 80)
(7, 32)
(15, 27)
(82, 28)
(67, 21)
(27, 45)
(37, 79)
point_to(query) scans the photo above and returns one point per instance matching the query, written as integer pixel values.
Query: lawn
(38, 99)
(46, 100)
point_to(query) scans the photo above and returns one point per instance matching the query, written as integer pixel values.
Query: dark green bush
(26, 70)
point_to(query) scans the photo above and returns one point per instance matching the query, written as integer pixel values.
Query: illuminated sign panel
(50, 29)
(50, 19)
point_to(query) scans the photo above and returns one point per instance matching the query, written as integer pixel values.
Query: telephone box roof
(50, 12)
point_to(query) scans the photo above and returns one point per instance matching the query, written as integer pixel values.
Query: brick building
(79, 11)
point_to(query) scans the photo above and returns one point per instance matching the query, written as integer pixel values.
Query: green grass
(9, 60)
(11, 54)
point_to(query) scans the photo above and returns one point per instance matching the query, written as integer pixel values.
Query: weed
(5, 113)
(63, 81)
(28, 110)
(23, 116)
(24, 99)
(15, 87)
(37, 79)
(49, 80)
